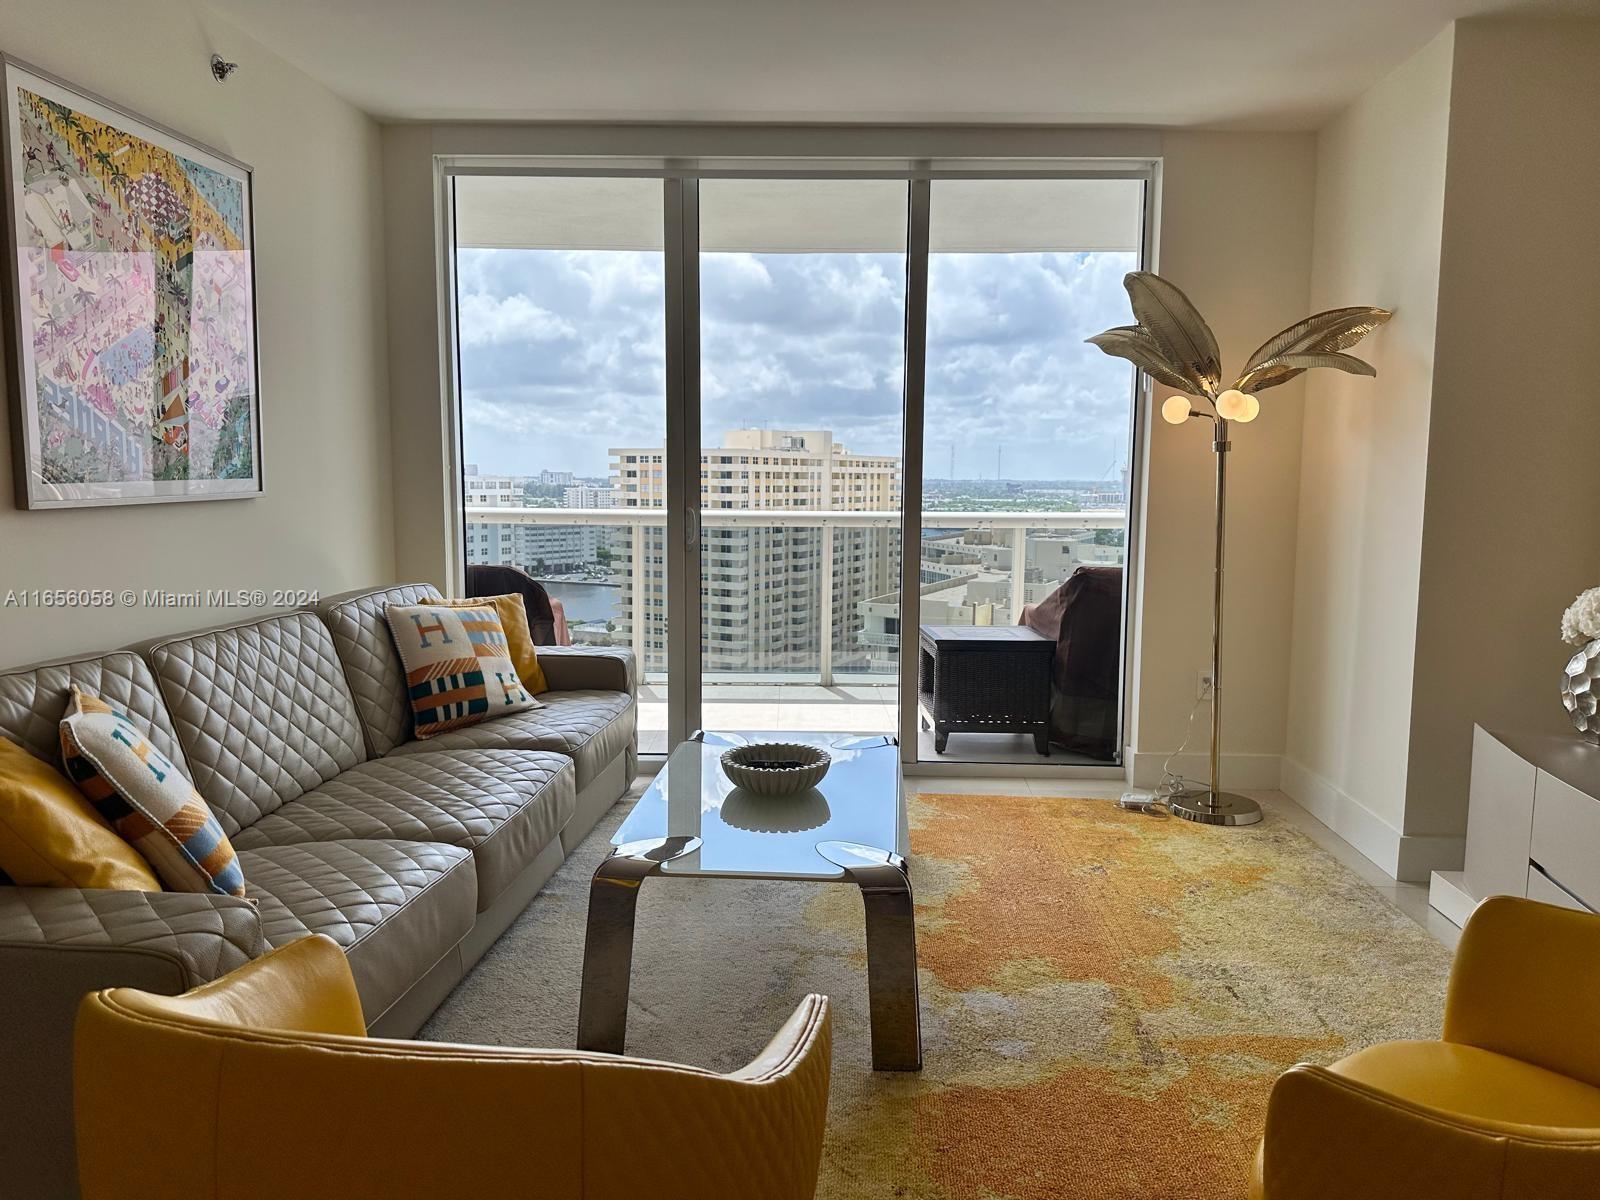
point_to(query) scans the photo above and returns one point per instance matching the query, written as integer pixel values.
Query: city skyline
(814, 594)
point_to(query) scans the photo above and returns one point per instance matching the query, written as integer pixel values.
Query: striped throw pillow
(147, 799)
(458, 665)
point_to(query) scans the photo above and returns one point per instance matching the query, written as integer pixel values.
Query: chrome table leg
(891, 951)
(608, 941)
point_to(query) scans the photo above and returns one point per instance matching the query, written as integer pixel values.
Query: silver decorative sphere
(1580, 690)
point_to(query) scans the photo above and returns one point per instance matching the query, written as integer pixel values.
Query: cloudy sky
(562, 359)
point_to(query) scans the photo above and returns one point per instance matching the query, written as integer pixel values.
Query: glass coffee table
(693, 823)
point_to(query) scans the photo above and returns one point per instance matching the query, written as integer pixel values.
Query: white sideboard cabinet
(1533, 824)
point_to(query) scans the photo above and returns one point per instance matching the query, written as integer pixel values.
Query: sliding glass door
(1028, 436)
(802, 332)
(560, 303)
(699, 409)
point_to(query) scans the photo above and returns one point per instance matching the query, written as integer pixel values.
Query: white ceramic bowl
(776, 768)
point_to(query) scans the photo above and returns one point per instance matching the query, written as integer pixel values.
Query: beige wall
(324, 522)
(1364, 457)
(1447, 510)
(424, 439)
(1510, 532)
(1234, 232)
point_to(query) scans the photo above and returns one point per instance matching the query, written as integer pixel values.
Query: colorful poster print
(133, 306)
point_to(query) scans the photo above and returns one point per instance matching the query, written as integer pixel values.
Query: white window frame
(680, 214)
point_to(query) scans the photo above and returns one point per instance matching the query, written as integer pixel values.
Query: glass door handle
(691, 527)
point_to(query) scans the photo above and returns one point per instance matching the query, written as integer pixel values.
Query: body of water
(585, 601)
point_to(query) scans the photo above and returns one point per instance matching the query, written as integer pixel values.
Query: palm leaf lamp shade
(1173, 345)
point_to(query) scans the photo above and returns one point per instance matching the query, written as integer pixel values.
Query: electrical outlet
(1202, 686)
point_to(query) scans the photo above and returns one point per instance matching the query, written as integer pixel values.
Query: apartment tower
(763, 607)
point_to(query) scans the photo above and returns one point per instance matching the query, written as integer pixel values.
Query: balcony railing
(639, 520)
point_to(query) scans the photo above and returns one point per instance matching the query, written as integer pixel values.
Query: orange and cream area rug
(1107, 996)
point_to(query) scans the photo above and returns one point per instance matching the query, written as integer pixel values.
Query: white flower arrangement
(1580, 624)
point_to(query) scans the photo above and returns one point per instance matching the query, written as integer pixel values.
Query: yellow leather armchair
(1505, 1107)
(263, 1086)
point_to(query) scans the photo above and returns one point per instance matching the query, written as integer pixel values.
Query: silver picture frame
(134, 408)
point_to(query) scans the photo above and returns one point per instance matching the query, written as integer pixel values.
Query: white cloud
(488, 321)
(563, 355)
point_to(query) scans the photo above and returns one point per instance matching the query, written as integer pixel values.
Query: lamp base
(1220, 808)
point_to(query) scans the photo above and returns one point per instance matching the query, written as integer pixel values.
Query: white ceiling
(1283, 64)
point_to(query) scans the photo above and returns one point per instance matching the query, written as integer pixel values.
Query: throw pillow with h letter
(147, 799)
(458, 665)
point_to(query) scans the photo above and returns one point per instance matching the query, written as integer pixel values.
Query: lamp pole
(1213, 806)
(1172, 344)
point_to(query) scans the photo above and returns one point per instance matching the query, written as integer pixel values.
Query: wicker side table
(984, 679)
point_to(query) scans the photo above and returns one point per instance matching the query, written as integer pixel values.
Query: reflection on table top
(772, 837)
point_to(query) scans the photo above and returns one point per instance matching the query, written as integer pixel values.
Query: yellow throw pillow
(51, 837)
(519, 637)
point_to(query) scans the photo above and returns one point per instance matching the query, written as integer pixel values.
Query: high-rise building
(586, 495)
(761, 584)
(535, 548)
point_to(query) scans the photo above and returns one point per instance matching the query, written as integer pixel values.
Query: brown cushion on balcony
(504, 806)
(589, 727)
(489, 579)
(1084, 616)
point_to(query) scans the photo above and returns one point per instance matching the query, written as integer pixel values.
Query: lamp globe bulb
(1175, 410)
(1232, 405)
(1252, 410)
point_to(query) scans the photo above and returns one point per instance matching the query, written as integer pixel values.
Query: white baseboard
(1409, 858)
(1251, 772)
(1448, 896)
(1421, 856)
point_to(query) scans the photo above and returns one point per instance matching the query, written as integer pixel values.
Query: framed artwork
(130, 296)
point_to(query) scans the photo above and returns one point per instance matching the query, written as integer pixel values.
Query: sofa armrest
(602, 668)
(57, 945)
(198, 936)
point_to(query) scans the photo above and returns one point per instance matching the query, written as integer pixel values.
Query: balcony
(847, 708)
(817, 666)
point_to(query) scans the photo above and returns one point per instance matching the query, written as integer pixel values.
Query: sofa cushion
(34, 699)
(147, 800)
(371, 664)
(589, 727)
(502, 805)
(513, 613)
(394, 907)
(50, 836)
(458, 666)
(262, 710)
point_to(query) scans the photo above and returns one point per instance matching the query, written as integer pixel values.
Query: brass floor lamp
(1173, 345)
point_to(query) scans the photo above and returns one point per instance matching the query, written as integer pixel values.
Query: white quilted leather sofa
(413, 856)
